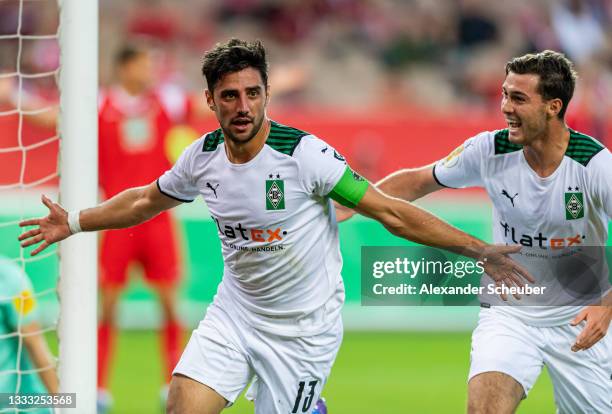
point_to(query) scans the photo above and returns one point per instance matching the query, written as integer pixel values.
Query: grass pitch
(376, 372)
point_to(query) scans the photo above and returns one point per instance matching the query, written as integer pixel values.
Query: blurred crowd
(350, 54)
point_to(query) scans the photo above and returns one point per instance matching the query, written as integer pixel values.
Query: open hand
(503, 270)
(49, 230)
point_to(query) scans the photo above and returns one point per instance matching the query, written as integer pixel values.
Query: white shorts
(582, 380)
(225, 354)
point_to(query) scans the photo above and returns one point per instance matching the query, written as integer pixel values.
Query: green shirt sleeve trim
(350, 189)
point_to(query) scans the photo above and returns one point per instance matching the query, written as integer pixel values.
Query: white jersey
(276, 224)
(550, 216)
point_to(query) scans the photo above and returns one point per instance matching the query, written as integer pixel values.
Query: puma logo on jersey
(505, 193)
(214, 189)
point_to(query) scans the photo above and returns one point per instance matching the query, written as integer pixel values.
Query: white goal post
(78, 82)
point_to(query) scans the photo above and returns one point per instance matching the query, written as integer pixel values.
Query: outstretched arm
(410, 184)
(413, 223)
(126, 209)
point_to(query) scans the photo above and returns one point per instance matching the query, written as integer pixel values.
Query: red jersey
(132, 131)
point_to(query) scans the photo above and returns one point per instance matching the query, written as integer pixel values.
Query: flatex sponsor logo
(540, 240)
(239, 232)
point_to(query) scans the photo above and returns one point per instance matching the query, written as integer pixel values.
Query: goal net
(48, 61)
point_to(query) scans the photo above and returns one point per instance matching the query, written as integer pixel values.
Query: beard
(244, 140)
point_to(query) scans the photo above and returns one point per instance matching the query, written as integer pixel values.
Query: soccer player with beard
(269, 189)
(551, 188)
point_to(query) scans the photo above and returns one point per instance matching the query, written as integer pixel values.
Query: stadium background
(389, 84)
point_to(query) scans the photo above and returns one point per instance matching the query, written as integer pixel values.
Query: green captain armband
(350, 189)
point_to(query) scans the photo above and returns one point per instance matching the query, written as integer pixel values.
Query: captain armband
(350, 189)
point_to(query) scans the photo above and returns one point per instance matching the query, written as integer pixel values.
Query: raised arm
(126, 209)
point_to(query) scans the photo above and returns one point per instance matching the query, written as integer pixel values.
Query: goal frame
(78, 128)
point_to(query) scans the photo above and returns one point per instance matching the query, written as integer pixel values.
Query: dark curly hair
(234, 56)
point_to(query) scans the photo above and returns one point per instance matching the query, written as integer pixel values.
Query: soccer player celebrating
(134, 120)
(268, 188)
(549, 184)
(19, 323)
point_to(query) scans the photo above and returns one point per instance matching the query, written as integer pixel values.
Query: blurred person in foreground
(551, 189)
(135, 119)
(269, 189)
(23, 347)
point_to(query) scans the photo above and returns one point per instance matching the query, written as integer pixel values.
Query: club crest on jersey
(275, 193)
(574, 204)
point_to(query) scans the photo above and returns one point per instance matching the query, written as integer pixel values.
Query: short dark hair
(128, 53)
(557, 75)
(234, 56)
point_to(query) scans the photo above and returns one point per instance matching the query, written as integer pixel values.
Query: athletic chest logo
(213, 188)
(574, 204)
(275, 192)
(507, 195)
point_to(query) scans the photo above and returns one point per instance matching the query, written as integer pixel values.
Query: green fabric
(350, 189)
(15, 313)
(212, 140)
(282, 138)
(503, 144)
(582, 148)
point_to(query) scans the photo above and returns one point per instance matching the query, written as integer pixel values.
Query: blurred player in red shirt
(134, 121)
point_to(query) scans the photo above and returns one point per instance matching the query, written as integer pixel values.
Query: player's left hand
(50, 229)
(597, 324)
(503, 270)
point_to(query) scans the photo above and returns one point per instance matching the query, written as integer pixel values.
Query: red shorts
(153, 244)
